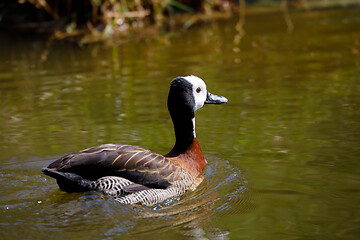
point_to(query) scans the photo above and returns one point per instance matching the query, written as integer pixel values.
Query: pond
(283, 154)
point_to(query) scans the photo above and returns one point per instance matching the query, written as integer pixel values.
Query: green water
(283, 154)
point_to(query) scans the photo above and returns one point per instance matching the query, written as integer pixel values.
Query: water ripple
(29, 196)
(224, 191)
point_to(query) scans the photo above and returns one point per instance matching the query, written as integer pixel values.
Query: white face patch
(198, 89)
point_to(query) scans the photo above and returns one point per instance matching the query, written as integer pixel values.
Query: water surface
(283, 153)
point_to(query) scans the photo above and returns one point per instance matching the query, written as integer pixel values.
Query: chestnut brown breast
(192, 160)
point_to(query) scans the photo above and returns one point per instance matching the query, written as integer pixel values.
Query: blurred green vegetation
(103, 18)
(96, 20)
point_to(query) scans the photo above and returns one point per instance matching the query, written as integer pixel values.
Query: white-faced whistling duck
(136, 175)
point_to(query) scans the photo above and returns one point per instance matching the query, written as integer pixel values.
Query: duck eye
(198, 90)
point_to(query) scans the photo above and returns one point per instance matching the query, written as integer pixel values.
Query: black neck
(182, 117)
(184, 135)
(180, 106)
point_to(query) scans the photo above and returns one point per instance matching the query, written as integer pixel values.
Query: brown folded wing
(137, 164)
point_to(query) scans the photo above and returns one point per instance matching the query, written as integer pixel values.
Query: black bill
(214, 99)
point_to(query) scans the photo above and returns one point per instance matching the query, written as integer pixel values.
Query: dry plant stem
(43, 4)
(288, 21)
(240, 24)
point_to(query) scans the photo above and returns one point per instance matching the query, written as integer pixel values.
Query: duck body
(136, 175)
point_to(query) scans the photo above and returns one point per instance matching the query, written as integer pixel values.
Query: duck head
(186, 95)
(189, 94)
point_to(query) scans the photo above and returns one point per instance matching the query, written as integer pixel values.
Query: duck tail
(69, 182)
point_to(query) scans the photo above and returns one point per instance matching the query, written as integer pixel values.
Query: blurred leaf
(71, 27)
(109, 28)
(181, 6)
(96, 2)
